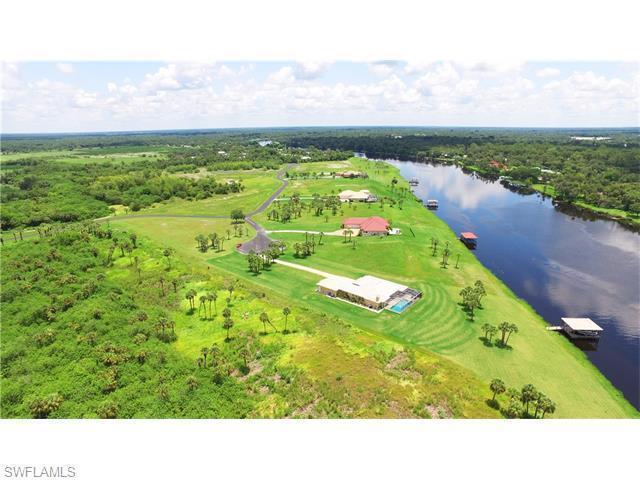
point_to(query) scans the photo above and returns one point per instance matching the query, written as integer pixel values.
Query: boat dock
(432, 204)
(578, 328)
(470, 239)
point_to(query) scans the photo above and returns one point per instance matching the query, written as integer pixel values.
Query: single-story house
(359, 196)
(369, 291)
(349, 174)
(368, 225)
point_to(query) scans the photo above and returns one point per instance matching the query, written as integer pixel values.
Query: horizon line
(303, 127)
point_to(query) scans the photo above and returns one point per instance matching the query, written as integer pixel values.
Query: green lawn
(436, 322)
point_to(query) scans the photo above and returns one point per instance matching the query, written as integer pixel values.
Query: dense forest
(603, 174)
(38, 191)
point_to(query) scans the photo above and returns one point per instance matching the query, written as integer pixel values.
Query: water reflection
(563, 265)
(463, 190)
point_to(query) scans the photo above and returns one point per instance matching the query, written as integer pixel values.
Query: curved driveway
(261, 241)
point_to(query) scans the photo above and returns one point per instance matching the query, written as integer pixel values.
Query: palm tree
(486, 328)
(190, 295)
(479, 290)
(504, 328)
(527, 395)
(192, 382)
(286, 311)
(513, 328)
(227, 325)
(204, 351)
(497, 387)
(203, 303)
(211, 298)
(264, 318)
(214, 351)
(548, 406)
(167, 252)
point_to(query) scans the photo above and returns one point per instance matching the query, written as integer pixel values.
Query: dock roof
(469, 235)
(582, 324)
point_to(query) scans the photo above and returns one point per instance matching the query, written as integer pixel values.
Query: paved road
(261, 241)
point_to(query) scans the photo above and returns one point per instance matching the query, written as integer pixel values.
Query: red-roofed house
(368, 225)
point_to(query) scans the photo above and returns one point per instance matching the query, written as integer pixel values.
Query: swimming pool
(400, 306)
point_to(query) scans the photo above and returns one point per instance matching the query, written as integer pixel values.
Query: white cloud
(383, 68)
(311, 70)
(547, 72)
(210, 95)
(66, 68)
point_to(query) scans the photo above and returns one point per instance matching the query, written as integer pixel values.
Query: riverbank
(436, 322)
(617, 215)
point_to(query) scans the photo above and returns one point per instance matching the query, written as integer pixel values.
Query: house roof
(364, 194)
(368, 287)
(469, 235)
(582, 324)
(368, 224)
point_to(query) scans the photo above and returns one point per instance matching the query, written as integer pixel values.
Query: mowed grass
(436, 322)
(257, 189)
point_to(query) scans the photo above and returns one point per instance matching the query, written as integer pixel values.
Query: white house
(359, 196)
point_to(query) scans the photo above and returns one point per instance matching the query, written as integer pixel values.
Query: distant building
(368, 225)
(498, 165)
(349, 174)
(357, 196)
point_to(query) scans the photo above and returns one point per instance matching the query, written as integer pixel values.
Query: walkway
(315, 271)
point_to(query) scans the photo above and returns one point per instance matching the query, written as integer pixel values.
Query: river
(562, 265)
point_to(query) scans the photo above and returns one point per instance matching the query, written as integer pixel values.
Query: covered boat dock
(581, 328)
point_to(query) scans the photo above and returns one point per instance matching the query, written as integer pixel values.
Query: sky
(41, 97)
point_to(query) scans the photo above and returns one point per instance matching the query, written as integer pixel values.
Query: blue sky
(103, 96)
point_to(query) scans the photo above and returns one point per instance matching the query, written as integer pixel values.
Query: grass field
(355, 373)
(257, 189)
(82, 156)
(436, 322)
(180, 233)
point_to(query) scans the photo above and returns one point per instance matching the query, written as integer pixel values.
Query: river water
(562, 265)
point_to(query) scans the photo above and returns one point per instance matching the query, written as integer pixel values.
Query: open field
(348, 364)
(83, 156)
(257, 188)
(436, 322)
(180, 233)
